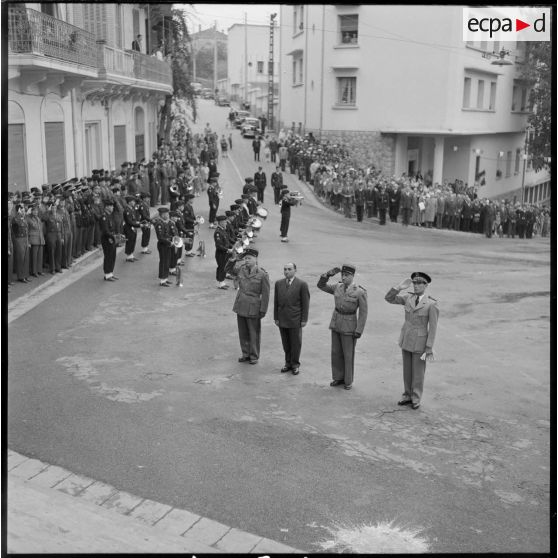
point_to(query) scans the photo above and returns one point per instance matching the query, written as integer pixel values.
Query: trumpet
(177, 242)
(200, 220)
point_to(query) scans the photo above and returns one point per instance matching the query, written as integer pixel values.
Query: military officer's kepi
(221, 217)
(251, 252)
(348, 268)
(421, 275)
(162, 210)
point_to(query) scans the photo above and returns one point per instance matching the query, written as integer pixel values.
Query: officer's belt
(345, 313)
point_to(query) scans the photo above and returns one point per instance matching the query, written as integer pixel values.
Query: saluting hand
(405, 284)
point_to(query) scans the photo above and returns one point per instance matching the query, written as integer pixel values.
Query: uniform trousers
(21, 257)
(282, 163)
(382, 216)
(413, 376)
(249, 333)
(66, 258)
(291, 337)
(109, 253)
(10, 267)
(260, 194)
(131, 236)
(221, 259)
(284, 228)
(173, 256)
(276, 195)
(54, 248)
(342, 357)
(145, 236)
(213, 212)
(164, 259)
(77, 243)
(359, 212)
(36, 258)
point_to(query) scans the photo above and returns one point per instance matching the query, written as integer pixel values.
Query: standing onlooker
(20, 241)
(345, 326)
(36, 240)
(256, 146)
(290, 314)
(286, 202)
(260, 181)
(108, 240)
(136, 43)
(417, 335)
(277, 184)
(250, 305)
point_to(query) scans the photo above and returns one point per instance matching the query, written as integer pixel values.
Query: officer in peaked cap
(417, 335)
(130, 227)
(222, 247)
(347, 322)
(250, 306)
(248, 185)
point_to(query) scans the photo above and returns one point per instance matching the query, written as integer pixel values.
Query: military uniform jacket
(253, 292)
(108, 227)
(53, 223)
(163, 230)
(222, 243)
(348, 300)
(419, 330)
(20, 228)
(35, 226)
(359, 197)
(130, 217)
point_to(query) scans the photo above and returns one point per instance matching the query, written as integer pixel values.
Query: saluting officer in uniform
(417, 335)
(222, 246)
(346, 327)
(251, 305)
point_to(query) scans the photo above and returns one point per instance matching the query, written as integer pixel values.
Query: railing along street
(32, 32)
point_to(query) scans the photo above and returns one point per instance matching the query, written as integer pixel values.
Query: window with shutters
(517, 159)
(92, 146)
(17, 168)
(348, 29)
(467, 92)
(118, 25)
(260, 67)
(119, 145)
(508, 164)
(135, 22)
(139, 119)
(95, 20)
(55, 145)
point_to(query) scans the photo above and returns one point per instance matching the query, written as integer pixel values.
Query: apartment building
(248, 65)
(401, 88)
(79, 96)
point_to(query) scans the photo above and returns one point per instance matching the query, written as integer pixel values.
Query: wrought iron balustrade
(33, 32)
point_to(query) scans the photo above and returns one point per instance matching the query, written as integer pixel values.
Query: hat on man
(348, 268)
(221, 217)
(234, 206)
(189, 197)
(239, 201)
(421, 275)
(144, 195)
(162, 210)
(248, 180)
(108, 201)
(130, 199)
(251, 252)
(175, 214)
(228, 213)
(213, 179)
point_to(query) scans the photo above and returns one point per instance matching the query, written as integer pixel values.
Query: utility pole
(270, 89)
(245, 57)
(215, 58)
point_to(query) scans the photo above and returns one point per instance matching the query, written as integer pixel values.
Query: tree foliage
(177, 51)
(537, 70)
(205, 61)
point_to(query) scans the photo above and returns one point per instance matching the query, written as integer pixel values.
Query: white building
(401, 88)
(78, 97)
(248, 65)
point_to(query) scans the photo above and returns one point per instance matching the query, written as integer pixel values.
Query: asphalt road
(140, 387)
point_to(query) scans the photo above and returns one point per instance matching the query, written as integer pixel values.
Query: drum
(256, 224)
(261, 212)
(177, 242)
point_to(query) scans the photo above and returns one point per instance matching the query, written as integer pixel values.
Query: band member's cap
(239, 201)
(348, 268)
(221, 217)
(108, 201)
(251, 252)
(248, 180)
(421, 275)
(162, 210)
(130, 198)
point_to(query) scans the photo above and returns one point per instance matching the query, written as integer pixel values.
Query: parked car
(207, 93)
(197, 87)
(240, 116)
(223, 101)
(250, 128)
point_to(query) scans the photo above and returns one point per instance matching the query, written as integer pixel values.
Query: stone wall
(365, 148)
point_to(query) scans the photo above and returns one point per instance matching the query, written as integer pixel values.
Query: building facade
(248, 66)
(79, 96)
(401, 88)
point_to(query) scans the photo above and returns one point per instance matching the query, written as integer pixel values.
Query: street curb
(204, 534)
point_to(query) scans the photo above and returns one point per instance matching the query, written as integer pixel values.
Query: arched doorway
(139, 127)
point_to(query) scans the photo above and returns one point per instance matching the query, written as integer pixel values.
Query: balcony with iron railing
(117, 63)
(35, 33)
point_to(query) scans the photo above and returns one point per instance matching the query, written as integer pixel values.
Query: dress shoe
(336, 383)
(146, 252)
(285, 368)
(34, 275)
(243, 359)
(115, 277)
(190, 255)
(58, 271)
(348, 386)
(131, 260)
(40, 273)
(222, 287)
(22, 280)
(415, 405)
(405, 402)
(109, 278)
(295, 371)
(164, 284)
(253, 362)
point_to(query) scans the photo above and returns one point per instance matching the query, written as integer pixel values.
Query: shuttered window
(16, 157)
(95, 19)
(119, 145)
(55, 151)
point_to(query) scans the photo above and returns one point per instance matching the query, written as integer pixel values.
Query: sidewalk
(51, 510)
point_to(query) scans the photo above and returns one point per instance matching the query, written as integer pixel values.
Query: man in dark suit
(260, 181)
(290, 313)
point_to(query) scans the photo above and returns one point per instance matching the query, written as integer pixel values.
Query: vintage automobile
(250, 128)
(240, 116)
(222, 101)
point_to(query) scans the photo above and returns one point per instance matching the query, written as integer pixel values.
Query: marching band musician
(145, 220)
(131, 223)
(286, 202)
(189, 219)
(222, 250)
(177, 228)
(213, 191)
(164, 232)
(108, 239)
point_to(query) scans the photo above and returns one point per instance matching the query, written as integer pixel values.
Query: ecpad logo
(506, 24)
